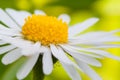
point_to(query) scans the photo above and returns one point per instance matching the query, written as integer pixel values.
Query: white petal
(95, 51)
(7, 20)
(18, 16)
(2, 43)
(59, 54)
(104, 53)
(109, 39)
(70, 49)
(32, 49)
(106, 46)
(5, 49)
(65, 18)
(95, 37)
(16, 41)
(2, 27)
(27, 67)
(11, 56)
(78, 28)
(89, 71)
(39, 12)
(72, 72)
(47, 62)
(86, 59)
(8, 32)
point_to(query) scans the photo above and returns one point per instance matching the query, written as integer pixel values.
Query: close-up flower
(32, 35)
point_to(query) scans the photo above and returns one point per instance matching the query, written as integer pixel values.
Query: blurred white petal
(69, 49)
(2, 43)
(32, 49)
(86, 59)
(89, 71)
(106, 46)
(95, 38)
(39, 12)
(96, 51)
(72, 72)
(8, 20)
(11, 56)
(16, 41)
(5, 49)
(18, 16)
(8, 31)
(104, 53)
(27, 67)
(59, 54)
(47, 62)
(65, 18)
(78, 28)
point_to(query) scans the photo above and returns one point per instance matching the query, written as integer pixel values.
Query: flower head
(39, 34)
(45, 29)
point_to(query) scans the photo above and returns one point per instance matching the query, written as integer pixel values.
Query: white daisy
(38, 34)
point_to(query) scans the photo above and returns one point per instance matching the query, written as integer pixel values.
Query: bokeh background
(107, 10)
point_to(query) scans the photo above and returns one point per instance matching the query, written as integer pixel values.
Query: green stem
(37, 70)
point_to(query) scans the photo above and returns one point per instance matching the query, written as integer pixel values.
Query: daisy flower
(32, 35)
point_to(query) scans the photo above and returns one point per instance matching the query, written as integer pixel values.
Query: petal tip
(95, 19)
(99, 65)
(65, 18)
(39, 12)
(4, 62)
(47, 72)
(19, 77)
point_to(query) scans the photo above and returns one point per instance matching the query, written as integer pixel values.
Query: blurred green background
(107, 10)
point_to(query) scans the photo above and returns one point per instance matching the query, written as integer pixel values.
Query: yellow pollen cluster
(46, 29)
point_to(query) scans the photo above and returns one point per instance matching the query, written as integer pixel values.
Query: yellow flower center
(46, 29)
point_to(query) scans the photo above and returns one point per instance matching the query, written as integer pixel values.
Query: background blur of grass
(107, 10)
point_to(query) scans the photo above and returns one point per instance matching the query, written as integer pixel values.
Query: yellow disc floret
(46, 29)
